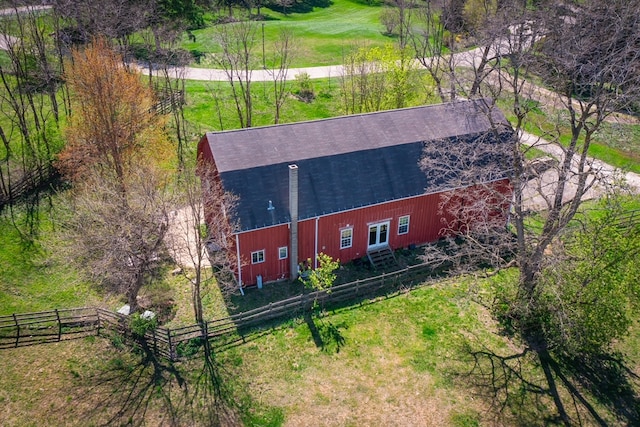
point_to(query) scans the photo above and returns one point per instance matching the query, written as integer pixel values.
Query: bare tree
(588, 55)
(453, 15)
(114, 19)
(594, 67)
(430, 38)
(29, 83)
(389, 18)
(560, 298)
(237, 42)
(399, 14)
(197, 243)
(472, 174)
(173, 91)
(115, 146)
(442, 52)
(284, 53)
(117, 238)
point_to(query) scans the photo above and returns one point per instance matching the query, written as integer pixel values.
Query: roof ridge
(349, 116)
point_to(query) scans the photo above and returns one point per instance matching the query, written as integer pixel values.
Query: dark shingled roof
(344, 162)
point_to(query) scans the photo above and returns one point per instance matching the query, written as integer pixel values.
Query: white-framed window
(257, 257)
(283, 252)
(403, 224)
(346, 238)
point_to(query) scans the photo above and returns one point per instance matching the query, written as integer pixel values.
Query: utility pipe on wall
(293, 211)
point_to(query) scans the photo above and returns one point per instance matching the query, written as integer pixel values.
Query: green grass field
(34, 279)
(202, 113)
(322, 36)
(401, 360)
(412, 358)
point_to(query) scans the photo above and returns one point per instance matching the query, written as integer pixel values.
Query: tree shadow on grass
(509, 385)
(596, 390)
(130, 386)
(211, 403)
(135, 387)
(609, 381)
(326, 336)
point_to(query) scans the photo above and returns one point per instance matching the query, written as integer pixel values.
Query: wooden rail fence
(168, 100)
(28, 183)
(18, 330)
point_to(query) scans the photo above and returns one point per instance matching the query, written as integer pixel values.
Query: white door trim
(381, 236)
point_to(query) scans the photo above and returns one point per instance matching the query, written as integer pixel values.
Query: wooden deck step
(382, 258)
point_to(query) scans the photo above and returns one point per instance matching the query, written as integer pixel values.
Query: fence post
(155, 341)
(205, 332)
(240, 323)
(15, 319)
(172, 354)
(99, 321)
(59, 325)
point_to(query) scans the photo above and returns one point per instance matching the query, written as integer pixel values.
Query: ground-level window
(283, 252)
(403, 224)
(257, 257)
(346, 238)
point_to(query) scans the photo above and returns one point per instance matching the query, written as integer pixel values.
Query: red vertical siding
(425, 225)
(269, 240)
(306, 240)
(204, 151)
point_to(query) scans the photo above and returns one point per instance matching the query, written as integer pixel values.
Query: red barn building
(343, 186)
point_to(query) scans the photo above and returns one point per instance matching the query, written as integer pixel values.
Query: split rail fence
(10, 192)
(19, 330)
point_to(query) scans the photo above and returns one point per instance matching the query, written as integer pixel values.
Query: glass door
(378, 235)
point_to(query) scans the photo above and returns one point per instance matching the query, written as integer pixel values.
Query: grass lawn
(323, 34)
(398, 361)
(404, 360)
(394, 362)
(202, 106)
(33, 279)
(202, 113)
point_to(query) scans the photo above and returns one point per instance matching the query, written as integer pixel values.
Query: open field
(404, 360)
(202, 112)
(323, 35)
